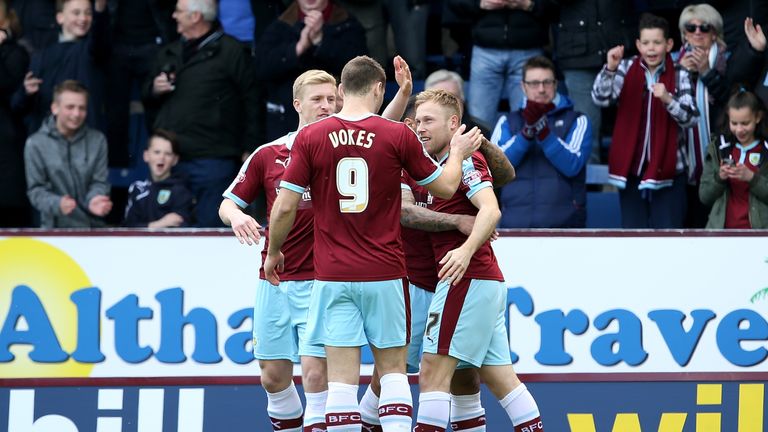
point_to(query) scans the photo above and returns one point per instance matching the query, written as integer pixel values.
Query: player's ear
(297, 105)
(454, 121)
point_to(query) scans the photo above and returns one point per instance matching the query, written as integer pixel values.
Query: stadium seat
(603, 210)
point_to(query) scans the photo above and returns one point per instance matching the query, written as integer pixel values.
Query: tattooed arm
(416, 217)
(500, 167)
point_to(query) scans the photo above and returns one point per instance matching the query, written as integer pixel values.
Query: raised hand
(755, 35)
(660, 92)
(615, 55)
(403, 75)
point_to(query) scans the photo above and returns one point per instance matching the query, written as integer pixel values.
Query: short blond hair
(442, 98)
(311, 77)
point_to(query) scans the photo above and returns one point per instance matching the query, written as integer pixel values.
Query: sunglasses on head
(704, 28)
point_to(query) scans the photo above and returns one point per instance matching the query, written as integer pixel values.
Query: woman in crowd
(714, 69)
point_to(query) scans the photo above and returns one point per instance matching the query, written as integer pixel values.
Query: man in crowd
(549, 144)
(202, 87)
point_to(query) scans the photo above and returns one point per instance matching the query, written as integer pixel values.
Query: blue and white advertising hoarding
(614, 331)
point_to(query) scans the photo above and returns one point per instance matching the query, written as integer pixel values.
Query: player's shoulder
(272, 148)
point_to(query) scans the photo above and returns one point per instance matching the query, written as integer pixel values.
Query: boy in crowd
(654, 102)
(81, 55)
(66, 164)
(163, 200)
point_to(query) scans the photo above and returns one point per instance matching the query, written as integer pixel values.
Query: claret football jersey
(263, 170)
(353, 168)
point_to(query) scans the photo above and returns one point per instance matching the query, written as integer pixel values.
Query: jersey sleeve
(475, 175)
(418, 164)
(297, 175)
(249, 181)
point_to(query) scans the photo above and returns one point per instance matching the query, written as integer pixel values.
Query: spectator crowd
(670, 95)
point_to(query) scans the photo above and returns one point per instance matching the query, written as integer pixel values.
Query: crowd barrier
(119, 331)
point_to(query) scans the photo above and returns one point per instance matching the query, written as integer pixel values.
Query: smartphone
(729, 161)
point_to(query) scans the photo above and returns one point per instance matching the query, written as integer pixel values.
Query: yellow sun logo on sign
(38, 277)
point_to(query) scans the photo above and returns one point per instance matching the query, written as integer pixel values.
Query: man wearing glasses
(548, 143)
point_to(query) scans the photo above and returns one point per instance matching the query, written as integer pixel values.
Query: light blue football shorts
(420, 301)
(466, 321)
(280, 321)
(352, 314)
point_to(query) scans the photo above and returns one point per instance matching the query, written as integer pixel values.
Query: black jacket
(149, 201)
(506, 28)
(587, 29)
(278, 65)
(83, 60)
(38, 22)
(161, 14)
(213, 107)
(13, 65)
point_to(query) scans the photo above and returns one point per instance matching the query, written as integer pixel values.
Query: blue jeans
(493, 73)
(655, 209)
(207, 180)
(579, 83)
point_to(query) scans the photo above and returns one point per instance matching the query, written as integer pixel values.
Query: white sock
(467, 413)
(314, 413)
(522, 409)
(396, 403)
(434, 408)
(342, 412)
(369, 407)
(284, 409)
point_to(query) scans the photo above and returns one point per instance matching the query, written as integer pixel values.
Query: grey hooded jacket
(56, 167)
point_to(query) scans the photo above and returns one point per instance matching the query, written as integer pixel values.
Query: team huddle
(339, 272)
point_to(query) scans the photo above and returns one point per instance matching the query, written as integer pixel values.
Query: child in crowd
(654, 101)
(735, 177)
(81, 54)
(163, 201)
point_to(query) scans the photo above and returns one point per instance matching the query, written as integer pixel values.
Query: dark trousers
(128, 69)
(208, 179)
(656, 209)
